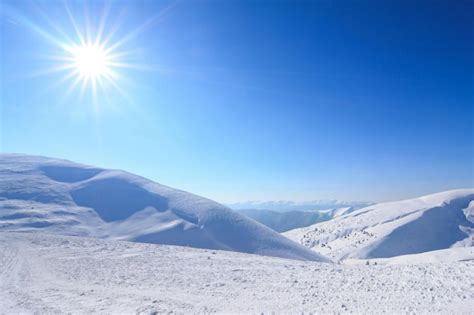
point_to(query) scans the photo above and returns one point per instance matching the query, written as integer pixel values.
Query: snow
(46, 273)
(448, 255)
(66, 198)
(82, 239)
(433, 222)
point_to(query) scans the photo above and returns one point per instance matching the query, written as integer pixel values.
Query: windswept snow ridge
(62, 197)
(419, 225)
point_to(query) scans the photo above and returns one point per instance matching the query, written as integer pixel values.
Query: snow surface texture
(282, 221)
(62, 197)
(424, 224)
(45, 273)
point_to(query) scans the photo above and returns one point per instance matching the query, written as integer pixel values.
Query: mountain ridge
(432, 222)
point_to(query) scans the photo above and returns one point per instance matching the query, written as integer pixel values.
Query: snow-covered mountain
(285, 205)
(428, 223)
(62, 197)
(282, 221)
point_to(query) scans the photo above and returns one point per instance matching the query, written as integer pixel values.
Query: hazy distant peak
(288, 205)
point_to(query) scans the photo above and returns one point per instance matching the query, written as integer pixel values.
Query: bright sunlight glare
(91, 64)
(90, 51)
(91, 61)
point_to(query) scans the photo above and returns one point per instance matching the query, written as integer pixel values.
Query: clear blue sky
(245, 100)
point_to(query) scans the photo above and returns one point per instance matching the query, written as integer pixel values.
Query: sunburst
(90, 51)
(91, 64)
(90, 61)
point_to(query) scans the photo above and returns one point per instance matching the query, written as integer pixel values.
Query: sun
(91, 54)
(91, 61)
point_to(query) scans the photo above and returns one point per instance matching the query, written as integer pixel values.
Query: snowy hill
(62, 197)
(282, 221)
(53, 274)
(419, 225)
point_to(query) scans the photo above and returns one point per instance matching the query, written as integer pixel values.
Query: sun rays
(90, 59)
(91, 48)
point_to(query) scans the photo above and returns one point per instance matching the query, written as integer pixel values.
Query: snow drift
(419, 225)
(62, 197)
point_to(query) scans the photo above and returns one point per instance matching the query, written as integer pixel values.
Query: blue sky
(254, 100)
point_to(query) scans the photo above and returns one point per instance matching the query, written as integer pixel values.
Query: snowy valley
(81, 239)
(282, 221)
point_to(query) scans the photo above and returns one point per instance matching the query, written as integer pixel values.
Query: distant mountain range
(285, 205)
(283, 216)
(282, 221)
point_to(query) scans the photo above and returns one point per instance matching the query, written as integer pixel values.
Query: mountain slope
(62, 197)
(428, 223)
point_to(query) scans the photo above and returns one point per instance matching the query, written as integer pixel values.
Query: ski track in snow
(62, 274)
